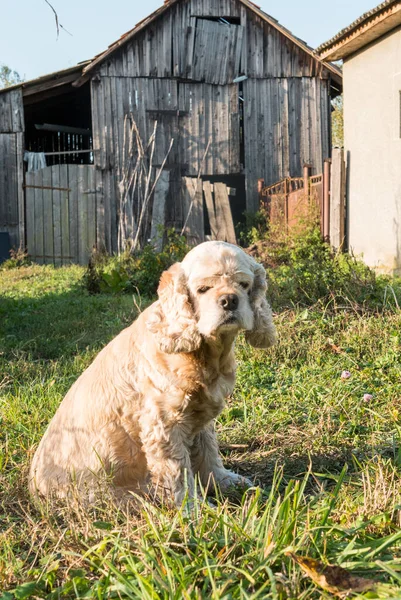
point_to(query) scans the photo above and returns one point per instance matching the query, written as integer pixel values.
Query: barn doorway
(61, 196)
(58, 123)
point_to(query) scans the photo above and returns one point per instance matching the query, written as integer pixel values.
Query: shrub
(303, 270)
(18, 258)
(134, 272)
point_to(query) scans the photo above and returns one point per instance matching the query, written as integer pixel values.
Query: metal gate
(61, 213)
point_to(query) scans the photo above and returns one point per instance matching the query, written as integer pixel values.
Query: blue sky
(29, 44)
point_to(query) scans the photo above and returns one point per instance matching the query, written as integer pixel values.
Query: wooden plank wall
(11, 112)
(285, 126)
(12, 213)
(61, 214)
(166, 47)
(180, 71)
(191, 114)
(9, 186)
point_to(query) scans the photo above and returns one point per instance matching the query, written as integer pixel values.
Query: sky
(29, 43)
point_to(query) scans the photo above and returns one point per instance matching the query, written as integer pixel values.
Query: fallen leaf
(334, 348)
(331, 578)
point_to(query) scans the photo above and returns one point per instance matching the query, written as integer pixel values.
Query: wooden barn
(241, 97)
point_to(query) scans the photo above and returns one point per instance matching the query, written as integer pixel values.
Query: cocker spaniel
(143, 411)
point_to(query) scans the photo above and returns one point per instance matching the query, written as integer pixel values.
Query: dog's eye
(203, 289)
(244, 285)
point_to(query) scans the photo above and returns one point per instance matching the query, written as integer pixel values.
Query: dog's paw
(229, 480)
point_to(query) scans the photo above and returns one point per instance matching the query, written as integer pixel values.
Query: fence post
(261, 185)
(337, 204)
(306, 175)
(326, 200)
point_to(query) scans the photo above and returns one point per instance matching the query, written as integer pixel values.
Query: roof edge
(48, 77)
(367, 28)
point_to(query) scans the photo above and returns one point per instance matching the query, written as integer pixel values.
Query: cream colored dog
(143, 411)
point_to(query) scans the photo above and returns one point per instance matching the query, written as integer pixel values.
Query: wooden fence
(292, 200)
(61, 213)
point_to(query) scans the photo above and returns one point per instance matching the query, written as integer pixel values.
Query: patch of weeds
(303, 270)
(139, 272)
(18, 258)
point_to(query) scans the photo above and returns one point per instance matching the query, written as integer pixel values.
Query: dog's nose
(229, 301)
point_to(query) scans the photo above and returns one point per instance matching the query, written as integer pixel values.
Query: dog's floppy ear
(263, 333)
(173, 321)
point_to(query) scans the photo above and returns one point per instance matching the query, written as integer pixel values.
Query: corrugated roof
(367, 16)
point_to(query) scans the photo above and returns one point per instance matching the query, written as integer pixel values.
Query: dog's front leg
(168, 458)
(207, 463)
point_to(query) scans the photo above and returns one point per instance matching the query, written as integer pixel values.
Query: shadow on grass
(61, 324)
(324, 465)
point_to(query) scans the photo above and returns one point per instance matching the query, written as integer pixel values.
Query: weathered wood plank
(11, 112)
(223, 213)
(73, 211)
(91, 204)
(337, 199)
(82, 184)
(211, 211)
(64, 216)
(193, 210)
(30, 214)
(20, 189)
(57, 199)
(159, 209)
(42, 215)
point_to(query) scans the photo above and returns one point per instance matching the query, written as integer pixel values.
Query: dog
(143, 411)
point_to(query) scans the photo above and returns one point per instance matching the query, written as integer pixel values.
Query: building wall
(372, 125)
(11, 166)
(180, 71)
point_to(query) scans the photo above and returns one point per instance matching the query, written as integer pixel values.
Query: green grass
(327, 460)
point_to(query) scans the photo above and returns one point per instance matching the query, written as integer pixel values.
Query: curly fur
(143, 412)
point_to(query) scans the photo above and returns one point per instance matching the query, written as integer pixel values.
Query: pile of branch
(137, 185)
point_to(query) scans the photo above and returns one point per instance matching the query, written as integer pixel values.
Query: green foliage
(303, 270)
(18, 258)
(139, 272)
(253, 229)
(337, 123)
(327, 460)
(8, 77)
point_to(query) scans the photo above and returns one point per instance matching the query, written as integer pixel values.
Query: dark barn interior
(59, 123)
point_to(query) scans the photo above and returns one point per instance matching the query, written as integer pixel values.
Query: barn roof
(49, 81)
(334, 70)
(368, 28)
(78, 74)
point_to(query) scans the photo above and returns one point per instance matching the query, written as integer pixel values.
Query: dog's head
(216, 289)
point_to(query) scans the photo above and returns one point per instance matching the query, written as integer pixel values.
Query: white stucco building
(371, 52)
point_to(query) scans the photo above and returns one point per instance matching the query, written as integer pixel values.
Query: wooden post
(20, 190)
(337, 203)
(261, 185)
(326, 200)
(286, 192)
(306, 175)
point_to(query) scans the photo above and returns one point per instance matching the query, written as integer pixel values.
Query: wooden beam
(62, 129)
(48, 85)
(337, 199)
